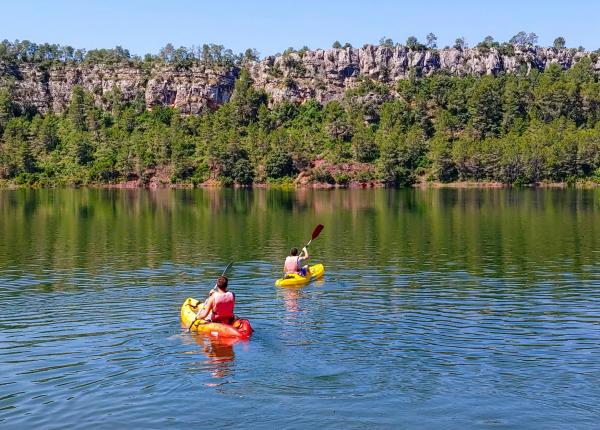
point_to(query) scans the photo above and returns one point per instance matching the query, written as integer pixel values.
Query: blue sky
(271, 26)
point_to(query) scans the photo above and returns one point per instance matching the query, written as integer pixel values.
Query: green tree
(7, 107)
(45, 131)
(522, 38)
(443, 168)
(279, 164)
(387, 42)
(243, 173)
(337, 123)
(431, 41)
(364, 147)
(246, 100)
(79, 108)
(559, 43)
(460, 43)
(412, 42)
(16, 156)
(514, 104)
(556, 97)
(485, 106)
(401, 154)
(488, 42)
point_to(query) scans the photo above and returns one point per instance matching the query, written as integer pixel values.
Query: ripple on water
(423, 321)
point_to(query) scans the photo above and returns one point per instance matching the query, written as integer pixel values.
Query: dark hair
(294, 252)
(222, 282)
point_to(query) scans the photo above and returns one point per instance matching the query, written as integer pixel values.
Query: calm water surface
(439, 309)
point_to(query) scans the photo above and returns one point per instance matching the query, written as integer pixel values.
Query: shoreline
(213, 184)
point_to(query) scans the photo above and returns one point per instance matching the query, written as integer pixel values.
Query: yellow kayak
(295, 280)
(240, 328)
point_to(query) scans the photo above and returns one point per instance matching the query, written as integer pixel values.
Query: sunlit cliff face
(323, 75)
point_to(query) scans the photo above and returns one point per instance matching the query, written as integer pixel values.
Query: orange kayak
(240, 328)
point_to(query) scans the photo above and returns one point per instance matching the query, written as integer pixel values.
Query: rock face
(323, 75)
(326, 74)
(191, 90)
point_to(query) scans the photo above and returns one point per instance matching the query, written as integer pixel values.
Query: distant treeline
(47, 54)
(516, 129)
(25, 51)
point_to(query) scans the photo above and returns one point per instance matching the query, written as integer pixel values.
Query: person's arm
(208, 307)
(306, 256)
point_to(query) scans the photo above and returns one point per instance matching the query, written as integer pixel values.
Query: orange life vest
(223, 308)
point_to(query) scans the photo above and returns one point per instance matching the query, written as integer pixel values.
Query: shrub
(341, 178)
(320, 174)
(279, 164)
(243, 173)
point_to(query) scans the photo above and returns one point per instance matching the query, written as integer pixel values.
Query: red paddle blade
(317, 231)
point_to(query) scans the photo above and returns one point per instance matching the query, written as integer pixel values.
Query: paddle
(212, 289)
(316, 232)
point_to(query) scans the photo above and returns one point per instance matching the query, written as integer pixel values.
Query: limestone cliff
(320, 74)
(190, 89)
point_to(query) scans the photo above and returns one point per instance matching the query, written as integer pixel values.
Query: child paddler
(294, 263)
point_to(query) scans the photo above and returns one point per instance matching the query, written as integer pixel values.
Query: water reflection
(62, 229)
(219, 353)
(291, 295)
(439, 308)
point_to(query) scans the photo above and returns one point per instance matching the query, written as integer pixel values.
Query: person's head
(222, 283)
(294, 252)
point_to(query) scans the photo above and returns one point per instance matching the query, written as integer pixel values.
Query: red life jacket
(223, 308)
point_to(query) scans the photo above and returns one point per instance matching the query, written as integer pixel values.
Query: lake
(438, 309)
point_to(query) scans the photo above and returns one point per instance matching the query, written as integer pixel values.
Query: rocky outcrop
(323, 75)
(190, 90)
(326, 74)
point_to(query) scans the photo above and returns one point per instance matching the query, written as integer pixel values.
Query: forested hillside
(520, 126)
